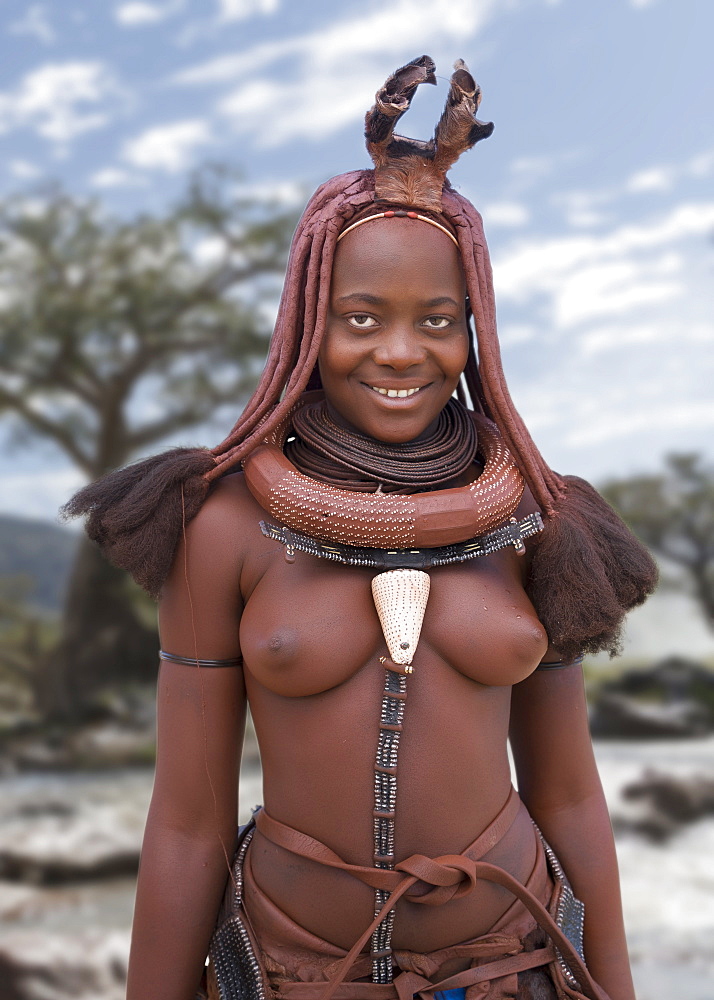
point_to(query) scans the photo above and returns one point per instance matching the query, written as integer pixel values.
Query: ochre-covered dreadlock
(588, 569)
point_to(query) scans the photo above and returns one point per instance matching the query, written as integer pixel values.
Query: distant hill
(40, 550)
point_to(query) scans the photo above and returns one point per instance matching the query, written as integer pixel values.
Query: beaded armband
(559, 664)
(194, 661)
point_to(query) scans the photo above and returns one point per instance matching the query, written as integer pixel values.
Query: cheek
(337, 356)
(454, 360)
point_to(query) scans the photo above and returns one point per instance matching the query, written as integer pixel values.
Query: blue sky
(597, 186)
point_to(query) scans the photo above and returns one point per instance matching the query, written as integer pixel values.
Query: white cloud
(23, 169)
(614, 288)
(616, 336)
(612, 328)
(512, 334)
(285, 193)
(342, 60)
(529, 170)
(654, 179)
(137, 14)
(239, 10)
(574, 272)
(60, 101)
(702, 164)
(670, 418)
(111, 177)
(228, 11)
(167, 147)
(35, 22)
(131, 14)
(505, 213)
(585, 209)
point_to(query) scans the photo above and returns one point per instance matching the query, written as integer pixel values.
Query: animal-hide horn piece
(408, 171)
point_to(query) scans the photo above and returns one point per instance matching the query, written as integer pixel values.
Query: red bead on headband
(399, 214)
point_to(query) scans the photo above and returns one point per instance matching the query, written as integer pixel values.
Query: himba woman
(352, 562)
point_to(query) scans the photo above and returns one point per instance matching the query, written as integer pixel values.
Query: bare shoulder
(216, 536)
(202, 592)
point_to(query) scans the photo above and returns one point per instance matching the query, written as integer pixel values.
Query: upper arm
(550, 740)
(201, 710)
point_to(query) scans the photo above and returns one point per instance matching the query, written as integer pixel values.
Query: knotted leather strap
(450, 875)
(445, 872)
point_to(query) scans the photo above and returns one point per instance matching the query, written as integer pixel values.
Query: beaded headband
(399, 214)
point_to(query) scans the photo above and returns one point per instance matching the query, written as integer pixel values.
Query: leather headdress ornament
(410, 171)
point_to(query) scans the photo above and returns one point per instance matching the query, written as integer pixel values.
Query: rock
(618, 716)
(683, 800)
(83, 966)
(672, 679)
(672, 699)
(54, 833)
(652, 826)
(667, 802)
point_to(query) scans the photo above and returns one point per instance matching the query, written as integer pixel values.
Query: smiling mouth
(397, 393)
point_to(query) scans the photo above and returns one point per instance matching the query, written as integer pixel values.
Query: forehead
(397, 253)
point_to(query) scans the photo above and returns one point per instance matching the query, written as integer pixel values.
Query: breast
(307, 628)
(480, 621)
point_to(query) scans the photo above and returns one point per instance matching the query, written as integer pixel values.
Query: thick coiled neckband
(385, 520)
(338, 456)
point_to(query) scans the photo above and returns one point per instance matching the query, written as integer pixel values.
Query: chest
(310, 625)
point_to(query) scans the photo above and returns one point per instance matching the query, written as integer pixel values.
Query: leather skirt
(517, 958)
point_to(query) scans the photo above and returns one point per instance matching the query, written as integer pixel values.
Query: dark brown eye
(361, 321)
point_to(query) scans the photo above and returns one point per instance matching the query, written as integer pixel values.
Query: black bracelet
(559, 664)
(193, 661)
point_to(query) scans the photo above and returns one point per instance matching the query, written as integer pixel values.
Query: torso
(311, 642)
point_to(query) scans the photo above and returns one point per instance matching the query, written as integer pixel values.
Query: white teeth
(392, 393)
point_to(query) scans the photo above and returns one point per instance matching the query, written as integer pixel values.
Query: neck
(345, 424)
(336, 453)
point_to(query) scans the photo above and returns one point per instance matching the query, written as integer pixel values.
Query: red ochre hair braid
(588, 569)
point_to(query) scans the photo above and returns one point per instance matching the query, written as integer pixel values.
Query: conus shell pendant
(400, 596)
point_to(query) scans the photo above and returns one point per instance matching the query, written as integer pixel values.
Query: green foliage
(673, 513)
(115, 334)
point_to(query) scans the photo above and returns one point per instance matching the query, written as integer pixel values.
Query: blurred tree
(113, 336)
(673, 513)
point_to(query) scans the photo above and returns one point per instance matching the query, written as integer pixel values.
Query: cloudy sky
(597, 186)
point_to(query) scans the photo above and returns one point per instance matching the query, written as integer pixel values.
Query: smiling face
(397, 339)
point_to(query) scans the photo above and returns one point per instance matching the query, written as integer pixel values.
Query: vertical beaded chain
(385, 798)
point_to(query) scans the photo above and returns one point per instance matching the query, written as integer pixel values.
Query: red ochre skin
(311, 642)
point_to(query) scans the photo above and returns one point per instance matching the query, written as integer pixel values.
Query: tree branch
(45, 426)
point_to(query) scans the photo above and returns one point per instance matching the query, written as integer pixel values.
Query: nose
(399, 348)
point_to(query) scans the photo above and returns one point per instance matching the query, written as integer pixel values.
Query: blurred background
(155, 158)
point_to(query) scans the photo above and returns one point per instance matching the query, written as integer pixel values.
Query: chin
(393, 431)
